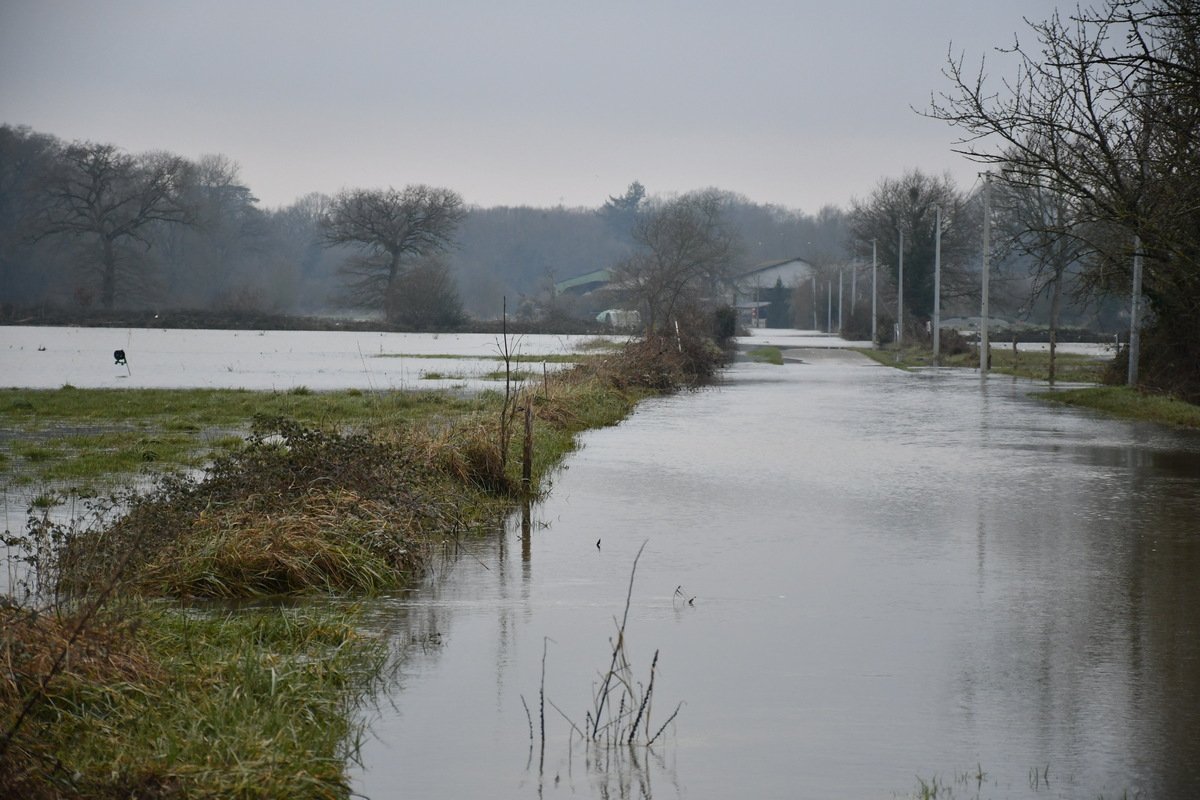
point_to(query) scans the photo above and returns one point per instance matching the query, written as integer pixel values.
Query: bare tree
(908, 205)
(1105, 107)
(1043, 227)
(687, 252)
(105, 199)
(225, 248)
(428, 298)
(391, 229)
(24, 156)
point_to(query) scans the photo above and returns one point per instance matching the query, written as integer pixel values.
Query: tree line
(87, 226)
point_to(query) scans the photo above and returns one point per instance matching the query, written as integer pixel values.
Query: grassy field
(125, 671)
(82, 436)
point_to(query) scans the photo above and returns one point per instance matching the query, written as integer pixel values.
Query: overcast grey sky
(509, 102)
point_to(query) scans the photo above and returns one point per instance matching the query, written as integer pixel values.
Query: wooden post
(527, 453)
(1053, 347)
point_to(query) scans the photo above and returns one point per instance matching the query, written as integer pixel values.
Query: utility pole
(1135, 312)
(853, 286)
(900, 294)
(816, 327)
(1135, 306)
(937, 291)
(829, 305)
(840, 274)
(874, 293)
(984, 353)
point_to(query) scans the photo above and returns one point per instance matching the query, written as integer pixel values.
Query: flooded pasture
(857, 580)
(51, 357)
(35, 357)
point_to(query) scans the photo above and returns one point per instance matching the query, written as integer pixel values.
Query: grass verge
(157, 701)
(768, 354)
(1128, 403)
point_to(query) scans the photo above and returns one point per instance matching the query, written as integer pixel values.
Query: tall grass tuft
(620, 715)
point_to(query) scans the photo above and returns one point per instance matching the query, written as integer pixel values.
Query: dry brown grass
(43, 657)
(101, 652)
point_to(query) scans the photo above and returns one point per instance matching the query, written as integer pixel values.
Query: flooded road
(857, 580)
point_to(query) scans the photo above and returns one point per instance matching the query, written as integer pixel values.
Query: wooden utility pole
(900, 295)
(987, 266)
(937, 291)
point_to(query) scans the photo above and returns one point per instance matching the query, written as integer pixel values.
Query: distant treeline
(173, 233)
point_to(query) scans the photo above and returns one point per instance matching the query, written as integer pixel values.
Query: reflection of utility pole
(900, 294)
(984, 352)
(937, 291)
(874, 293)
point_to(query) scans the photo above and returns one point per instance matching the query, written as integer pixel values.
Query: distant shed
(587, 282)
(748, 286)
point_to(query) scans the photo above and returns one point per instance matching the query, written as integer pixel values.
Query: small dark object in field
(119, 356)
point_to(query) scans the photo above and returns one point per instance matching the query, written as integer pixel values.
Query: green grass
(514, 375)
(79, 436)
(207, 408)
(557, 358)
(768, 354)
(1069, 367)
(248, 704)
(1128, 403)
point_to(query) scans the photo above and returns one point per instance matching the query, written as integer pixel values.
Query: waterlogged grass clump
(295, 509)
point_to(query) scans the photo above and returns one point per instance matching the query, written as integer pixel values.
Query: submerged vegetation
(113, 650)
(1032, 364)
(1121, 401)
(768, 354)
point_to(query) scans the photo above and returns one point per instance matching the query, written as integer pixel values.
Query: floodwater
(856, 580)
(50, 357)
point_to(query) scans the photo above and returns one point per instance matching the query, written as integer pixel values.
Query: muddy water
(857, 579)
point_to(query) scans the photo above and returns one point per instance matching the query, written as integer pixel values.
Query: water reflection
(894, 575)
